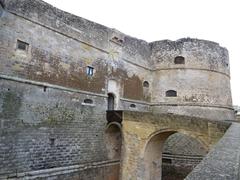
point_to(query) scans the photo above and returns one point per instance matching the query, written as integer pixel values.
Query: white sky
(151, 20)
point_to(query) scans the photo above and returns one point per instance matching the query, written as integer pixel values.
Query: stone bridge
(143, 136)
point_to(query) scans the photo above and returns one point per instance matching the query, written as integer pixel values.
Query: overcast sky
(151, 20)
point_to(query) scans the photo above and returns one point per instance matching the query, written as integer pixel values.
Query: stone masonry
(61, 76)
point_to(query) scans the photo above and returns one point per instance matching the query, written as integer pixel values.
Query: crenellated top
(190, 53)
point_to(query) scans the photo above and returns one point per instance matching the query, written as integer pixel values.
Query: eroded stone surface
(45, 122)
(223, 161)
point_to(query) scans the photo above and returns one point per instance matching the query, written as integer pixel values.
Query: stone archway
(113, 140)
(153, 154)
(143, 131)
(180, 155)
(113, 144)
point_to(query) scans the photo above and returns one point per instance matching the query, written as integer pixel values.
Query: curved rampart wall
(200, 78)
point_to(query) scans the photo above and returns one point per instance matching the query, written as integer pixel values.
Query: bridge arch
(182, 131)
(143, 130)
(153, 151)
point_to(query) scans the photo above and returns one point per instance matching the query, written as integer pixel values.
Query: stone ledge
(58, 171)
(223, 161)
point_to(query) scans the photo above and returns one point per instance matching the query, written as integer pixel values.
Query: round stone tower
(191, 77)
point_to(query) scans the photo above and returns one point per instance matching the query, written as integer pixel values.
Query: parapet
(222, 162)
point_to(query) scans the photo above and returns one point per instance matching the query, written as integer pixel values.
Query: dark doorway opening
(110, 101)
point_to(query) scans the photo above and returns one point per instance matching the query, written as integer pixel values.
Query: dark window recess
(117, 40)
(90, 70)
(179, 60)
(167, 161)
(132, 106)
(52, 141)
(44, 88)
(110, 102)
(171, 93)
(22, 45)
(88, 101)
(145, 84)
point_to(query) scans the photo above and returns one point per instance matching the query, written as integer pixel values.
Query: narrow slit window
(22, 45)
(171, 93)
(44, 88)
(179, 60)
(90, 71)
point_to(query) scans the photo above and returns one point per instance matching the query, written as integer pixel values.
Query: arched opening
(179, 60)
(181, 153)
(110, 101)
(171, 93)
(132, 106)
(146, 84)
(153, 156)
(113, 139)
(88, 101)
(158, 165)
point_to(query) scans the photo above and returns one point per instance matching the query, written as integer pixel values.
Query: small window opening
(44, 88)
(52, 141)
(132, 106)
(120, 41)
(167, 161)
(90, 70)
(88, 101)
(117, 40)
(145, 84)
(22, 45)
(179, 60)
(171, 93)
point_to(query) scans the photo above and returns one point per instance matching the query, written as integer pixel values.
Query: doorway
(110, 102)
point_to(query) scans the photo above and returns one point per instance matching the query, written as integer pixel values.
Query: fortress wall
(222, 162)
(80, 29)
(44, 122)
(57, 59)
(43, 88)
(193, 86)
(201, 80)
(46, 129)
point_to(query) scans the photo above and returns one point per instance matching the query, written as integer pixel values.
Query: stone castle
(79, 100)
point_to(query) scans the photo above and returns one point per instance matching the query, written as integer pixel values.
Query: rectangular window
(90, 70)
(22, 45)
